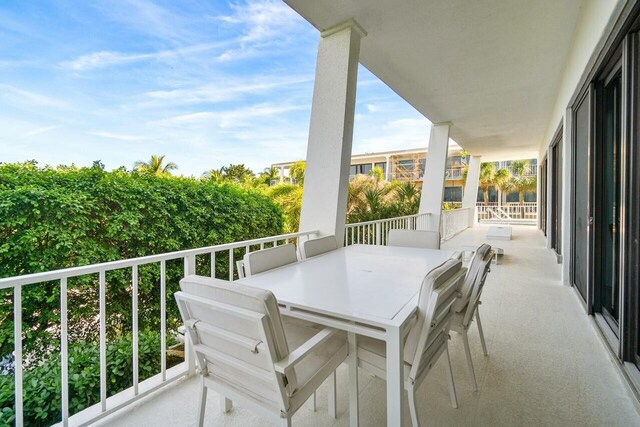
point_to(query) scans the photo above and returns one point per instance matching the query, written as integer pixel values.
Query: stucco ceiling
(491, 67)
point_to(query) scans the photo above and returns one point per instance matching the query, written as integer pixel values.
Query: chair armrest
(301, 352)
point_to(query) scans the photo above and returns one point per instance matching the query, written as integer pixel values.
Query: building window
(405, 164)
(383, 166)
(453, 194)
(363, 169)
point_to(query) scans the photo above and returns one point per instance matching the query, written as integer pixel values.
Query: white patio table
(362, 289)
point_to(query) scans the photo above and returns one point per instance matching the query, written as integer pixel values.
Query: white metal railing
(453, 222)
(376, 232)
(507, 211)
(138, 389)
(454, 173)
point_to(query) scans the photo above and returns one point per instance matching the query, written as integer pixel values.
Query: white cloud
(40, 130)
(227, 89)
(263, 23)
(230, 118)
(120, 137)
(24, 97)
(263, 20)
(373, 108)
(108, 58)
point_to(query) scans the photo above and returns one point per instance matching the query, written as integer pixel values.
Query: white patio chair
(242, 348)
(414, 239)
(319, 246)
(268, 259)
(466, 307)
(427, 339)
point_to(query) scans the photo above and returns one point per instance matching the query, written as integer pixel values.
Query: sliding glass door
(608, 198)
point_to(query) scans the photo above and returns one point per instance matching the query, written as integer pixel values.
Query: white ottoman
(499, 232)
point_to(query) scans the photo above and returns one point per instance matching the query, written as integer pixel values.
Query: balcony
(546, 363)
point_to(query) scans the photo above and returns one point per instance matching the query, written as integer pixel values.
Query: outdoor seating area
(526, 318)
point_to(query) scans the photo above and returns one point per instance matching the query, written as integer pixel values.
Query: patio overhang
(494, 69)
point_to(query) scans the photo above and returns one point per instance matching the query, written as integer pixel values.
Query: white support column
(434, 174)
(471, 189)
(388, 177)
(326, 185)
(281, 175)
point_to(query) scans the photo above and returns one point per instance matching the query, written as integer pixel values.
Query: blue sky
(206, 83)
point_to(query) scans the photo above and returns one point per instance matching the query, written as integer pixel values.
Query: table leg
(352, 361)
(395, 377)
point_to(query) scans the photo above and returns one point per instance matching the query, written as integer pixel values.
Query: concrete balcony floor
(546, 366)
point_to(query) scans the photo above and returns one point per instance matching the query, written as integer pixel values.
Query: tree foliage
(42, 390)
(492, 177)
(297, 171)
(66, 217)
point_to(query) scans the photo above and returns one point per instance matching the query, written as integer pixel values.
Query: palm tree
(519, 166)
(155, 166)
(289, 198)
(519, 182)
(268, 175)
(377, 173)
(214, 175)
(296, 172)
(490, 177)
(408, 197)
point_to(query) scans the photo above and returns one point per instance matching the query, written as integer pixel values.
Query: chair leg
(452, 386)
(286, 422)
(413, 410)
(202, 403)
(331, 395)
(484, 345)
(467, 350)
(225, 404)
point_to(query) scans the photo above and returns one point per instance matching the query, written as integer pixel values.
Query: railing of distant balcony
(138, 389)
(507, 211)
(376, 232)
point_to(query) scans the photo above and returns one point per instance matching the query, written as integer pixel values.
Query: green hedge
(52, 218)
(42, 391)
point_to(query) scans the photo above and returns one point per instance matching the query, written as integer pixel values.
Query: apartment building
(409, 165)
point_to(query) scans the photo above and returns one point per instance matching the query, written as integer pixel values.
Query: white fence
(376, 232)
(139, 388)
(453, 222)
(507, 211)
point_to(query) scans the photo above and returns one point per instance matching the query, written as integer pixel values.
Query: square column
(434, 174)
(471, 189)
(326, 185)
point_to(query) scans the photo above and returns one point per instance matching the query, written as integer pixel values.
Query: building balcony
(546, 365)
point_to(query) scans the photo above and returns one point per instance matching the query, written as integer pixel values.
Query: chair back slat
(437, 295)
(319, 246)
(270, 258)
(475, 267)
(414, 239)
(474, 299)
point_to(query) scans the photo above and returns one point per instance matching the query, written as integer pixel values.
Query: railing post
(378, 233)
(190, 268)
(17, 353)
